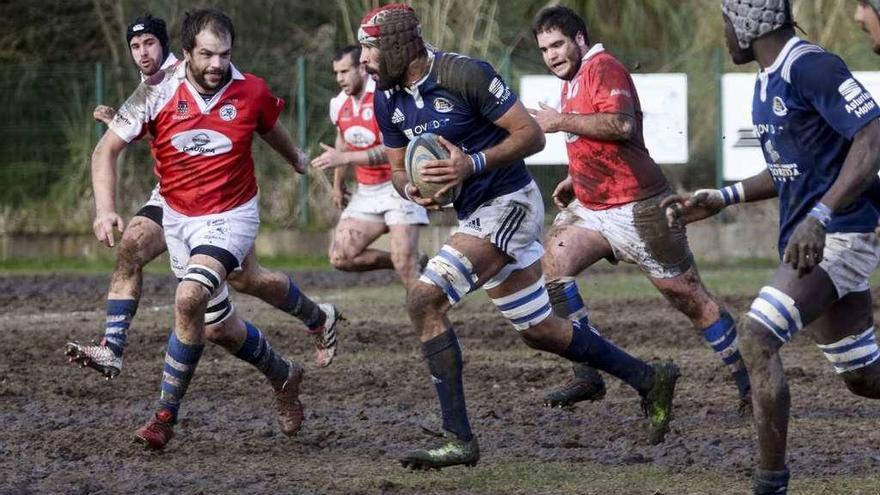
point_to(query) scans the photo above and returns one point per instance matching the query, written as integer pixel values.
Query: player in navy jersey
(868, 15)
(488, 133)
(820, 136)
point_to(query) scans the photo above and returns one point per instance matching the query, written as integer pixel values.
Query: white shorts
(849, 259)
(233, 231)
(156, 198)
(514, 223)
(381, 203)
(638, 233)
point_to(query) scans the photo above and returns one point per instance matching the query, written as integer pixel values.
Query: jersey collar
(783, 54)
(169, 61)
(594, 50)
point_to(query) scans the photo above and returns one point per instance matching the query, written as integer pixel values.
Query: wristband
(479, 162)
(733, 194)
(822, 213)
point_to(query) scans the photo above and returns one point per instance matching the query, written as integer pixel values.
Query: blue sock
(567, 303)
(180, 366)
(587, 346)
(257, 350)
(119, 315)
(443, 354)
(721, 336)
(770, 482)
(298, 304)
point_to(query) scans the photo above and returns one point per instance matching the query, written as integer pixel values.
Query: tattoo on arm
(376, 156)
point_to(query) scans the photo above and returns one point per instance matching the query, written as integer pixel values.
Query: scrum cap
(395, 30)
(755, 18)
(147, 24)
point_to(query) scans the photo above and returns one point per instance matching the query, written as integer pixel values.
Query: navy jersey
(807, 109)
(459, 99)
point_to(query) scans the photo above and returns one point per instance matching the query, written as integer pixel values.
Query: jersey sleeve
(480, 85)
(130, 121)
(823, 80)
(270, 108)
(610, 88)
(335, 107)
(392, 136)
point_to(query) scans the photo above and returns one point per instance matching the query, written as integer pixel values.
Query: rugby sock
(299, 305)
(119, 315)
(770, 482)
(257, 350)
(443, 354)
(587, 346)
(721, 337)
(180, 366)
(567, 303)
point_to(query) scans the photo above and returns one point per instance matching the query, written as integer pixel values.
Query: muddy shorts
(514, 223)
(381, 203)
(849, 259)
(638, 234)
(232, 232)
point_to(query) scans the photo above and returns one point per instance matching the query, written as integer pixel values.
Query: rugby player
(610, 199)
(820, 135)
(143, 241)
(868, 15)
(497, 246)
(202, 114)
(375, 208)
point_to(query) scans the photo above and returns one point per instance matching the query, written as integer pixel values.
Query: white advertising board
(741, 150)
(664, 104)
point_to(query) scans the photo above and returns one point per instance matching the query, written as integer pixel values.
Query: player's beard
(199, 77)
(384, 81)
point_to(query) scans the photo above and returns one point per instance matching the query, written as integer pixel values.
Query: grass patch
(159, 266)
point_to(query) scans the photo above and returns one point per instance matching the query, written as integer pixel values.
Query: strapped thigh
(777, 311)
(852, 352)
(527, 307)
(452, 272)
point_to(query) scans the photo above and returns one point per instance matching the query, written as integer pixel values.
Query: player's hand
(302, 161)
(451, 171)
(547, 117)
(563, 195)
(414, 195)
(330, 158)
(341, 196)
(683, 209)
(806, 247)
(104, 114)
(103, 227)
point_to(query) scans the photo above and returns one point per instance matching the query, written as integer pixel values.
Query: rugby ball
(420, 150)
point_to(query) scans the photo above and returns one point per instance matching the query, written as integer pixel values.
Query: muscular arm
(524, 138)
(279, 139)
(373, 157)
(396, 157)
(104, 186)
(861, 165)
(759, 187)
(601, 126)
(339, 172)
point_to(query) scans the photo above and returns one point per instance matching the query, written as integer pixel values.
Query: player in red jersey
(143, 241)
(202, 114)
(610, 199)
(868, 15)
(376, 207)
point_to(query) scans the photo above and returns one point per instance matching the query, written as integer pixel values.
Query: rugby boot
(577, 389)
(450, 452)
(325, 336)
(99, 357)
(657, 403)
(290, 409)
(158, 430)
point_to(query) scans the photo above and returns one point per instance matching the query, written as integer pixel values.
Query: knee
(128, 257)
(424, 300)
(756, 344)
(340, 259)
(190, 299)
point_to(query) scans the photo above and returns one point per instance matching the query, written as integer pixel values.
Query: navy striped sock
(119, 315)
(721, 336)
(588, 347)
(298, 304)
(180, 366)
(443, 354)
(257, 350)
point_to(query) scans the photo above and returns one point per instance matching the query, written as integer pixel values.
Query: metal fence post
(301, 121)
(99, 97)
(719, 120)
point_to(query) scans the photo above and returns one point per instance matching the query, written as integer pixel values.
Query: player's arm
(600, 126)
(340, 195)
(279, 139)
(396, 157)
(861, 165)
(104, 159)
(704, 203)
(336, 157)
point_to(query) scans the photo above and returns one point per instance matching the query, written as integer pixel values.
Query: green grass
(157, 267)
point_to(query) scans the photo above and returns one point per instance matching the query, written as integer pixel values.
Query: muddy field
(65, 430)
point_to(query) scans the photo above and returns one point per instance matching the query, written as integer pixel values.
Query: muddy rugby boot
(575, 390)
(158, 430)
(98, 357)
(451, 452)
(657, 404)
(325, 337)
(290, 409)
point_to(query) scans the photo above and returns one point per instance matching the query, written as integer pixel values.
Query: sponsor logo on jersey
(228, 112)
(203, 142)
(859, 101)
(424, 127)
(474, 225)
(442, 105)
(367, 113)
(779, 107)
(359, 137)
(623, 92)
(771, 151)
(499, 90)
(397, 117)
(850, 89)
(182, 110)
(784, 172)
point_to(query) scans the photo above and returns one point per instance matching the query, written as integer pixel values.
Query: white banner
(664, 104)
(742, 151)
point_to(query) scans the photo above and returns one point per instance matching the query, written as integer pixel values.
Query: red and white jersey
(202, 148)
(357, 125)
(608, 173)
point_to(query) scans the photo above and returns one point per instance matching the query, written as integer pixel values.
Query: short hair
(353, 50)
(196, 21)
(562, 18)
